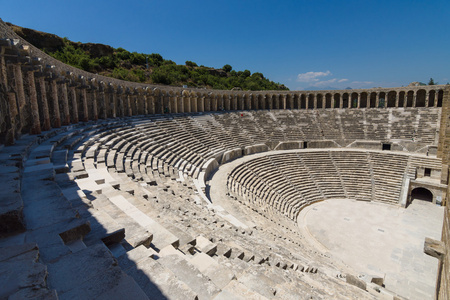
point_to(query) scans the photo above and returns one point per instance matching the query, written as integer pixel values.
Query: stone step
(161, 236)
(189, 274)
(157, 281)
(92, 273)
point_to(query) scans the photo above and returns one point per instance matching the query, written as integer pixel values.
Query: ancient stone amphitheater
(114, 190)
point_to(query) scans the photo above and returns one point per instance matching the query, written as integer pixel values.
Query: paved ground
(379, 239)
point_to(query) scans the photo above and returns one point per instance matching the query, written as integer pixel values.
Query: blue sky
(303, 44)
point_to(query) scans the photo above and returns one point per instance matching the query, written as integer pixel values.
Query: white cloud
(311, 76)
(343, 80)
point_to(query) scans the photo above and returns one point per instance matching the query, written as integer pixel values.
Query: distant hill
(139, 67)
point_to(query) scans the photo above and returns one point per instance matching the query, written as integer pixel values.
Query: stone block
(350, 279)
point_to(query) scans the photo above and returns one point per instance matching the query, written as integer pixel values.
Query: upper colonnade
(39, 92)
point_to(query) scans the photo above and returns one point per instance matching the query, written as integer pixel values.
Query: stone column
(128, 105)
(113, 102)
(73, 95)
(94, 104)
(349, 105)
(21, 102)
(377, 101)
(65, 103)
(315, 101)
(283, 101)
(307, 101)
(436, 97)
(427, 98)
(55, 100)
(44, 104)
(36, 126)
(358, 105)
(405, 100)
(186, 99)
(397, 98)
(414, 98)
(10, 110)
(85, 104)
(341, 100)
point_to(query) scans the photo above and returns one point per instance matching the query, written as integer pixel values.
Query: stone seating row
(288, 182)
(97, 199)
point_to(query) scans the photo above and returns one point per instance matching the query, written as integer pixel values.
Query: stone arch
(440, 96)
(354, 100)
(328, 100)
(421, 193)
(337, 100)
(281, 101)
(373, 100)
(420, 98)
(391, 99)
(303, 101)
(296, 102)
(310, 101)
(261, 102)
(289, 101)
(381, 100)
(363, 100)
(268, 102)
(409, 98)
(345, 100)
(432, 98)
(319, 100)
(401, 98)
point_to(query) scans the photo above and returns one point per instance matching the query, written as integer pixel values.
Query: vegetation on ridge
(146, 68)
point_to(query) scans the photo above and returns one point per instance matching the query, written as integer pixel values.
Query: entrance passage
(421, 194)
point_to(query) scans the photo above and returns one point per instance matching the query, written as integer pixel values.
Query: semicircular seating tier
(285, 183)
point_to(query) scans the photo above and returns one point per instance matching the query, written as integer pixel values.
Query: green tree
(431, 82)
(227, 68)
(190, 63)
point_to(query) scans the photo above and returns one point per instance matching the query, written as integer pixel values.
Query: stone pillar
(332, 100)
(414, 98)
(35, 126)
(120, 104)
(85, 104)
(283, 101)
(128, 105)
(436, 97)
(73, 95)
(315, 101)
(10, 110)
(94, 104)
(405, 100)
(349, 104)
(307, 101)
(397, 98)
(427, 98)
(55, 100)
(65, 102)
(186, 99)
(341, 100)
(377, 101)
(21, 102)
(13, 112)
(44, 104)
(113, 102)
(358, 105)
